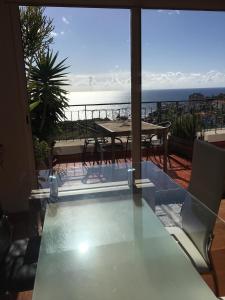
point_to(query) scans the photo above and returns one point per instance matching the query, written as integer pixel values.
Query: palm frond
(47, 79)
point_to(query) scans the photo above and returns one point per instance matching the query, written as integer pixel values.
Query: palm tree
(48, 98)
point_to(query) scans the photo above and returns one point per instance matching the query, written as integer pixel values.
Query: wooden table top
(124, 127)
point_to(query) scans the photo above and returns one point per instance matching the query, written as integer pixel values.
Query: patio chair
(144, 145)
(206, 188)
(207, 181)
(101, 146)
(18, 260)
(104, 150)
(127, 153)
(91, 136)
(154, 143)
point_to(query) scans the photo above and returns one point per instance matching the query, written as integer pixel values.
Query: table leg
(165, 143)
(113, 149)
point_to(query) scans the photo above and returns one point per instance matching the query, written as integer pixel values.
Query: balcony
(80, 122)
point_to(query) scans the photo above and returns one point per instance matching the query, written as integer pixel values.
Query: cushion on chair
(189, 249)
(22, 276)
(20, 264)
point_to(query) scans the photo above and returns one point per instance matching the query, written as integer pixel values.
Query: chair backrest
(206, 189)
(207, 181)
(166, 124)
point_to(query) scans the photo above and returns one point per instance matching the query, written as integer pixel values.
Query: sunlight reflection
(83, 247)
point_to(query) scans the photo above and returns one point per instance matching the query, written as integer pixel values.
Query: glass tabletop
(122, 232)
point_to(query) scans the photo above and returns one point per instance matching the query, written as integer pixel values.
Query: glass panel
(100, 91)
(96, 43)
(103, 222)
(182, 79)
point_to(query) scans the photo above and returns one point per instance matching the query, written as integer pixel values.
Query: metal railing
(210, 110)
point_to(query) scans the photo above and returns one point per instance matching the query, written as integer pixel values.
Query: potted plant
(42, 154)
(183, 133)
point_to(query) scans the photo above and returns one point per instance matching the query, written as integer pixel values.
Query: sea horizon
(106, 104)
(123, 96)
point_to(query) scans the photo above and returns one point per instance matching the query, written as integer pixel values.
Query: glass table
(110, 235)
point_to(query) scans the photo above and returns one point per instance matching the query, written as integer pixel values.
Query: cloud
(169, 11)
(64, 19)
(120, 80)
(104, 81)
(54, 34)
(183, 80)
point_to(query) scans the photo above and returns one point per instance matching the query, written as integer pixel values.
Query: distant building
(221, 96)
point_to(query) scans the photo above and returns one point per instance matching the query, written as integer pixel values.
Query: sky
(180, 49)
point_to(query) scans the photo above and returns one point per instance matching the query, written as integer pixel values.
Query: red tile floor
(179, 168)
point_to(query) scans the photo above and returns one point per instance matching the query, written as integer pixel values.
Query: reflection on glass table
(111, 235)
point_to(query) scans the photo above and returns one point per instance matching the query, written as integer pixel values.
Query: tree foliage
(48, 99)
(36, 30)
(45, 76)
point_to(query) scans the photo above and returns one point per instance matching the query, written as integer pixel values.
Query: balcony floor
(180, 169)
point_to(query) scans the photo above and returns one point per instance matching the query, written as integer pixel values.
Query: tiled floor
(179, 168)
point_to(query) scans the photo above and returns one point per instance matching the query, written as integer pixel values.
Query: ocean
(113, 99)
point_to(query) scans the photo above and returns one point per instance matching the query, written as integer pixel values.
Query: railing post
(177, 107)
(159, 107)
(85, 115)
(216, 116)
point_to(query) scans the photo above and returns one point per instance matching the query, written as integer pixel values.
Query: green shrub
(41, 152)
(186, 126)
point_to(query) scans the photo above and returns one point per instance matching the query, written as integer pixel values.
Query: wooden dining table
(119, 128)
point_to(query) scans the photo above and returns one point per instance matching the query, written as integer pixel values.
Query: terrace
(76, 127)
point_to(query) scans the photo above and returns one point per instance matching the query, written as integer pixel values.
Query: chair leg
(153, 151)
(125, 156)
(84, 154)
(160, 158)
(147, 156)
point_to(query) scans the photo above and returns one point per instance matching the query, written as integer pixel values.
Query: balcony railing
(210, 111)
